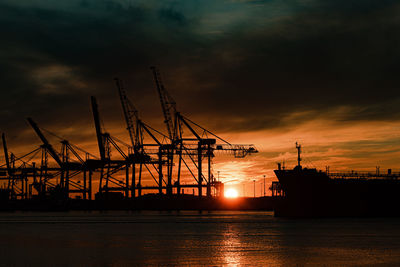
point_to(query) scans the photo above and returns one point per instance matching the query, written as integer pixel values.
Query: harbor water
(234, 238)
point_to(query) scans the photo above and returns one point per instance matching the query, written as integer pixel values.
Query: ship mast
(298, 146)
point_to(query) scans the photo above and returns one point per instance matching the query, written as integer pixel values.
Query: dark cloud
(232, 66)
(321, 58)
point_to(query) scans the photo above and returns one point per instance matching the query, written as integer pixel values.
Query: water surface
(192, 238)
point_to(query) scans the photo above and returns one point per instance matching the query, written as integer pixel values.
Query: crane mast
(131, 116)
(167, 103)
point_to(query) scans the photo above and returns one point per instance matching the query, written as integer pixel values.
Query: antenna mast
(298, 146)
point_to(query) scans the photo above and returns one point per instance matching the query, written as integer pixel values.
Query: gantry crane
(196, 148)
(16, 184)
(23, 175)
(70, 163)
(109, 182)
(142, 152)
(174, 128)
(17, 176)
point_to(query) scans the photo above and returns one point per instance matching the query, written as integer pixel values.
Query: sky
(268, 73)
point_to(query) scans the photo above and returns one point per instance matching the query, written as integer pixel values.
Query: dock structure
(152, 161)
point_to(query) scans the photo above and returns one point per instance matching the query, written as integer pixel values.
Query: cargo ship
(308, 192)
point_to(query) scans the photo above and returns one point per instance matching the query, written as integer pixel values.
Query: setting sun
(231, 193)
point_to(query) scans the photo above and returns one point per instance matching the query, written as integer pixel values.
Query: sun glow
(231, 193)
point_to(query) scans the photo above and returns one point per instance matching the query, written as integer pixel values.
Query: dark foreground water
(193, 238)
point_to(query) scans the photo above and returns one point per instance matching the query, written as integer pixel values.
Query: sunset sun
(231, 193)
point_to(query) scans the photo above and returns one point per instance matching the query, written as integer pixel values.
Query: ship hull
(311, 193)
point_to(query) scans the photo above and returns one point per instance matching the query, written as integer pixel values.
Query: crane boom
(6, 154)
(238, 151)
(131, 115)
(167, 103)
(97, 125)
(46, 143)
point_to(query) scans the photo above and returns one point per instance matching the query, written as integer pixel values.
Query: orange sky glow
(342, 146)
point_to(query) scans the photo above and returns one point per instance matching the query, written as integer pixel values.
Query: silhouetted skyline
(269, 73)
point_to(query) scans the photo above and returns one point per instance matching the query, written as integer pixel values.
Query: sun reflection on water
(232, 247)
